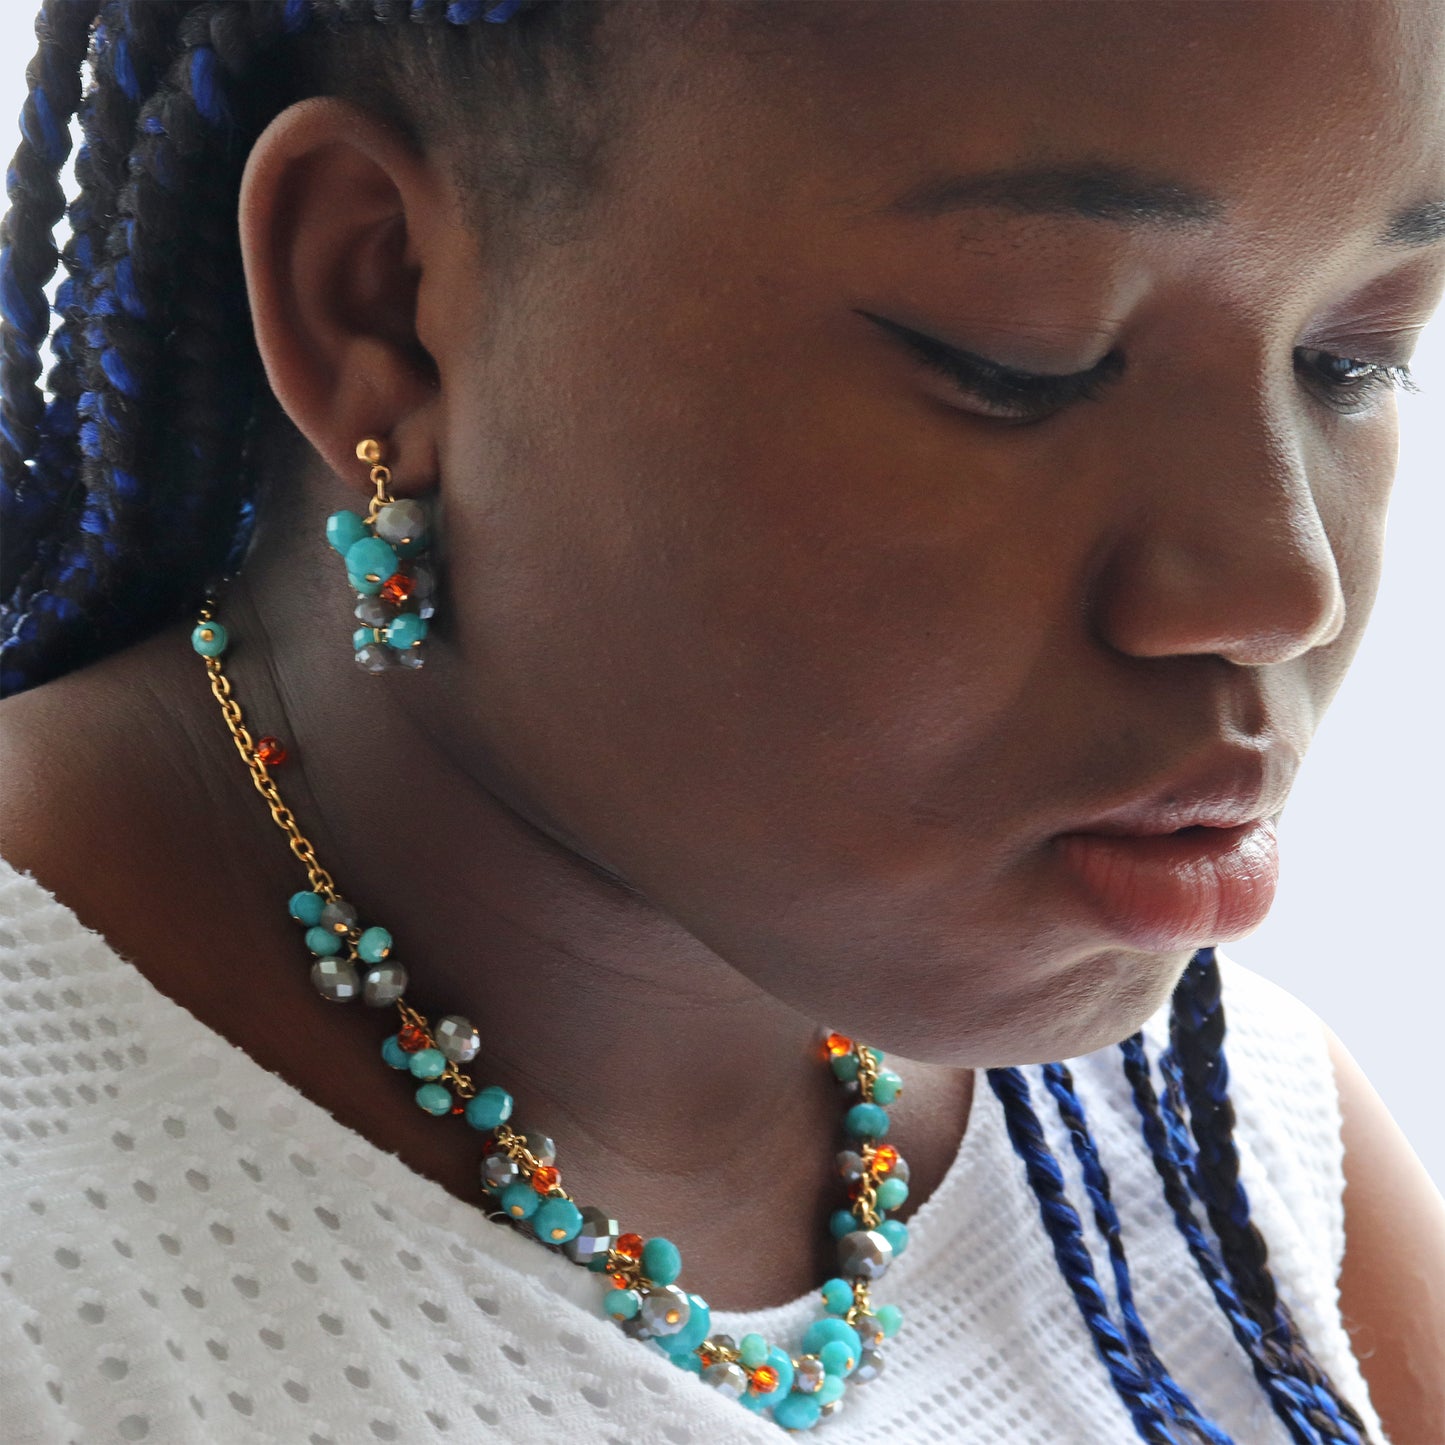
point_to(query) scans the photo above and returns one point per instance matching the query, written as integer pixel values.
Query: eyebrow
(1105, 191)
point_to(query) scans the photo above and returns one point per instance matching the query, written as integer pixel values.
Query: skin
(770, 663)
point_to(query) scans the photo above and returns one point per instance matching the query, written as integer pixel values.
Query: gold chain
(320, 880)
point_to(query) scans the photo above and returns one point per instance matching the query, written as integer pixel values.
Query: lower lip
(1179, 890)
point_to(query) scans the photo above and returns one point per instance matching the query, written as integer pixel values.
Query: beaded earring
(384, 552)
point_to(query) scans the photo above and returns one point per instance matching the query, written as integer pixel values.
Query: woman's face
(820, 650)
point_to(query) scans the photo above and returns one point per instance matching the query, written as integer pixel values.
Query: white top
(193, 1251)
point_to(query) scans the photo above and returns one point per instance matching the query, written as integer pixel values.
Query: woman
(897, 486)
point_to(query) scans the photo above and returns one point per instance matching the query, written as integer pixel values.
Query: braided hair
(128, 487)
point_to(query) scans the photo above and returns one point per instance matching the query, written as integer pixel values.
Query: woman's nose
(1224, 549)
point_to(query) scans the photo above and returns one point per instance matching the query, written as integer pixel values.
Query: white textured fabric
(192, 1251)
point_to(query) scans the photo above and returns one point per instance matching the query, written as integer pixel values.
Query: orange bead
(630, 1245)
(837, 1045)
(411, 1038)
(544, 1180)
(398, 587)
(271, 751)
(884, 1159)
(764, 1381)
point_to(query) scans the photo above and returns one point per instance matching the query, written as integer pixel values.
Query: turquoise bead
(374, 945)
(520, 1200)
(890, 1320)
(556, 1221)
(428, 1063)
(306, 907)
(841, 1222)
(896, 1233)
(782, 1362)
(691, 1362)
(394, 1054)
(752, 1351)
(434, 1098)
(489, 1108)
(405, 630)
(830, 1331)
(886, 1087)
(797, 1412)
(344, 530)
(370, 561)
(838, 1357)
(209, 639)
(831, 1389)
(866, 1121)
(323, 942)
(845, 1066)
(892, 1193)
(693, 1333)
(661, 1261)
(838, 1296)
(622, 1304)
(362, 637)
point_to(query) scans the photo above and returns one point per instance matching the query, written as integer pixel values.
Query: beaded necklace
(522, 1185)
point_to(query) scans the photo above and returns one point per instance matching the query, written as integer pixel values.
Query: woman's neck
(684, 1099)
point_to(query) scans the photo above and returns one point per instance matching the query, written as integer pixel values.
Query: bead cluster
(393, 601)
(523, 1186)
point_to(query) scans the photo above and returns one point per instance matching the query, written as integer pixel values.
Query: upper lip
(1226, 790)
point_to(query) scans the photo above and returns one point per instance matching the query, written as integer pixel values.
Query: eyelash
(1040, 395)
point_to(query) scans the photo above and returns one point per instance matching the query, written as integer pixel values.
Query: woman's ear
(342, 225)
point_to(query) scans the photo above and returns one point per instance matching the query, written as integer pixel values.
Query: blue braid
(1060, 1084)
(1246, 1328)
(1065, 1232)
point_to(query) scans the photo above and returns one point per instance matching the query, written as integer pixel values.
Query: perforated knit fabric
(192, 1251)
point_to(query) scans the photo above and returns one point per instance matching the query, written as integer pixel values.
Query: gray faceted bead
(665, 1309)
(373, 612)
(403, 523)
(338, 917)
(542, 1147)
(850, 1165)
(864, 1252)
(384, 983)
(335, 979)
(869, 1367)
(727, 1379)
(457, 1038)
(376, 657)
(636, 1328)
(499, 1170)
(598, 1234)
(413, 657)
(725, 1342)
(808, 1374)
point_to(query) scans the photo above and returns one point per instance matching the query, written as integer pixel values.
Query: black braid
(1197, 1027)
(28, 255)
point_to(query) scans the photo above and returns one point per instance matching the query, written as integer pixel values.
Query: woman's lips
(1178, 890)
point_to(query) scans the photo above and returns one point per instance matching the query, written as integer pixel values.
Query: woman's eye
(1350, 384)
(1011, 395)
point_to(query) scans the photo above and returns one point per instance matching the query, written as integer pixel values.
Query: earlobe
(334, 226)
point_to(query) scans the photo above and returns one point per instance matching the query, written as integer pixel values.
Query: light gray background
(1355, 931)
